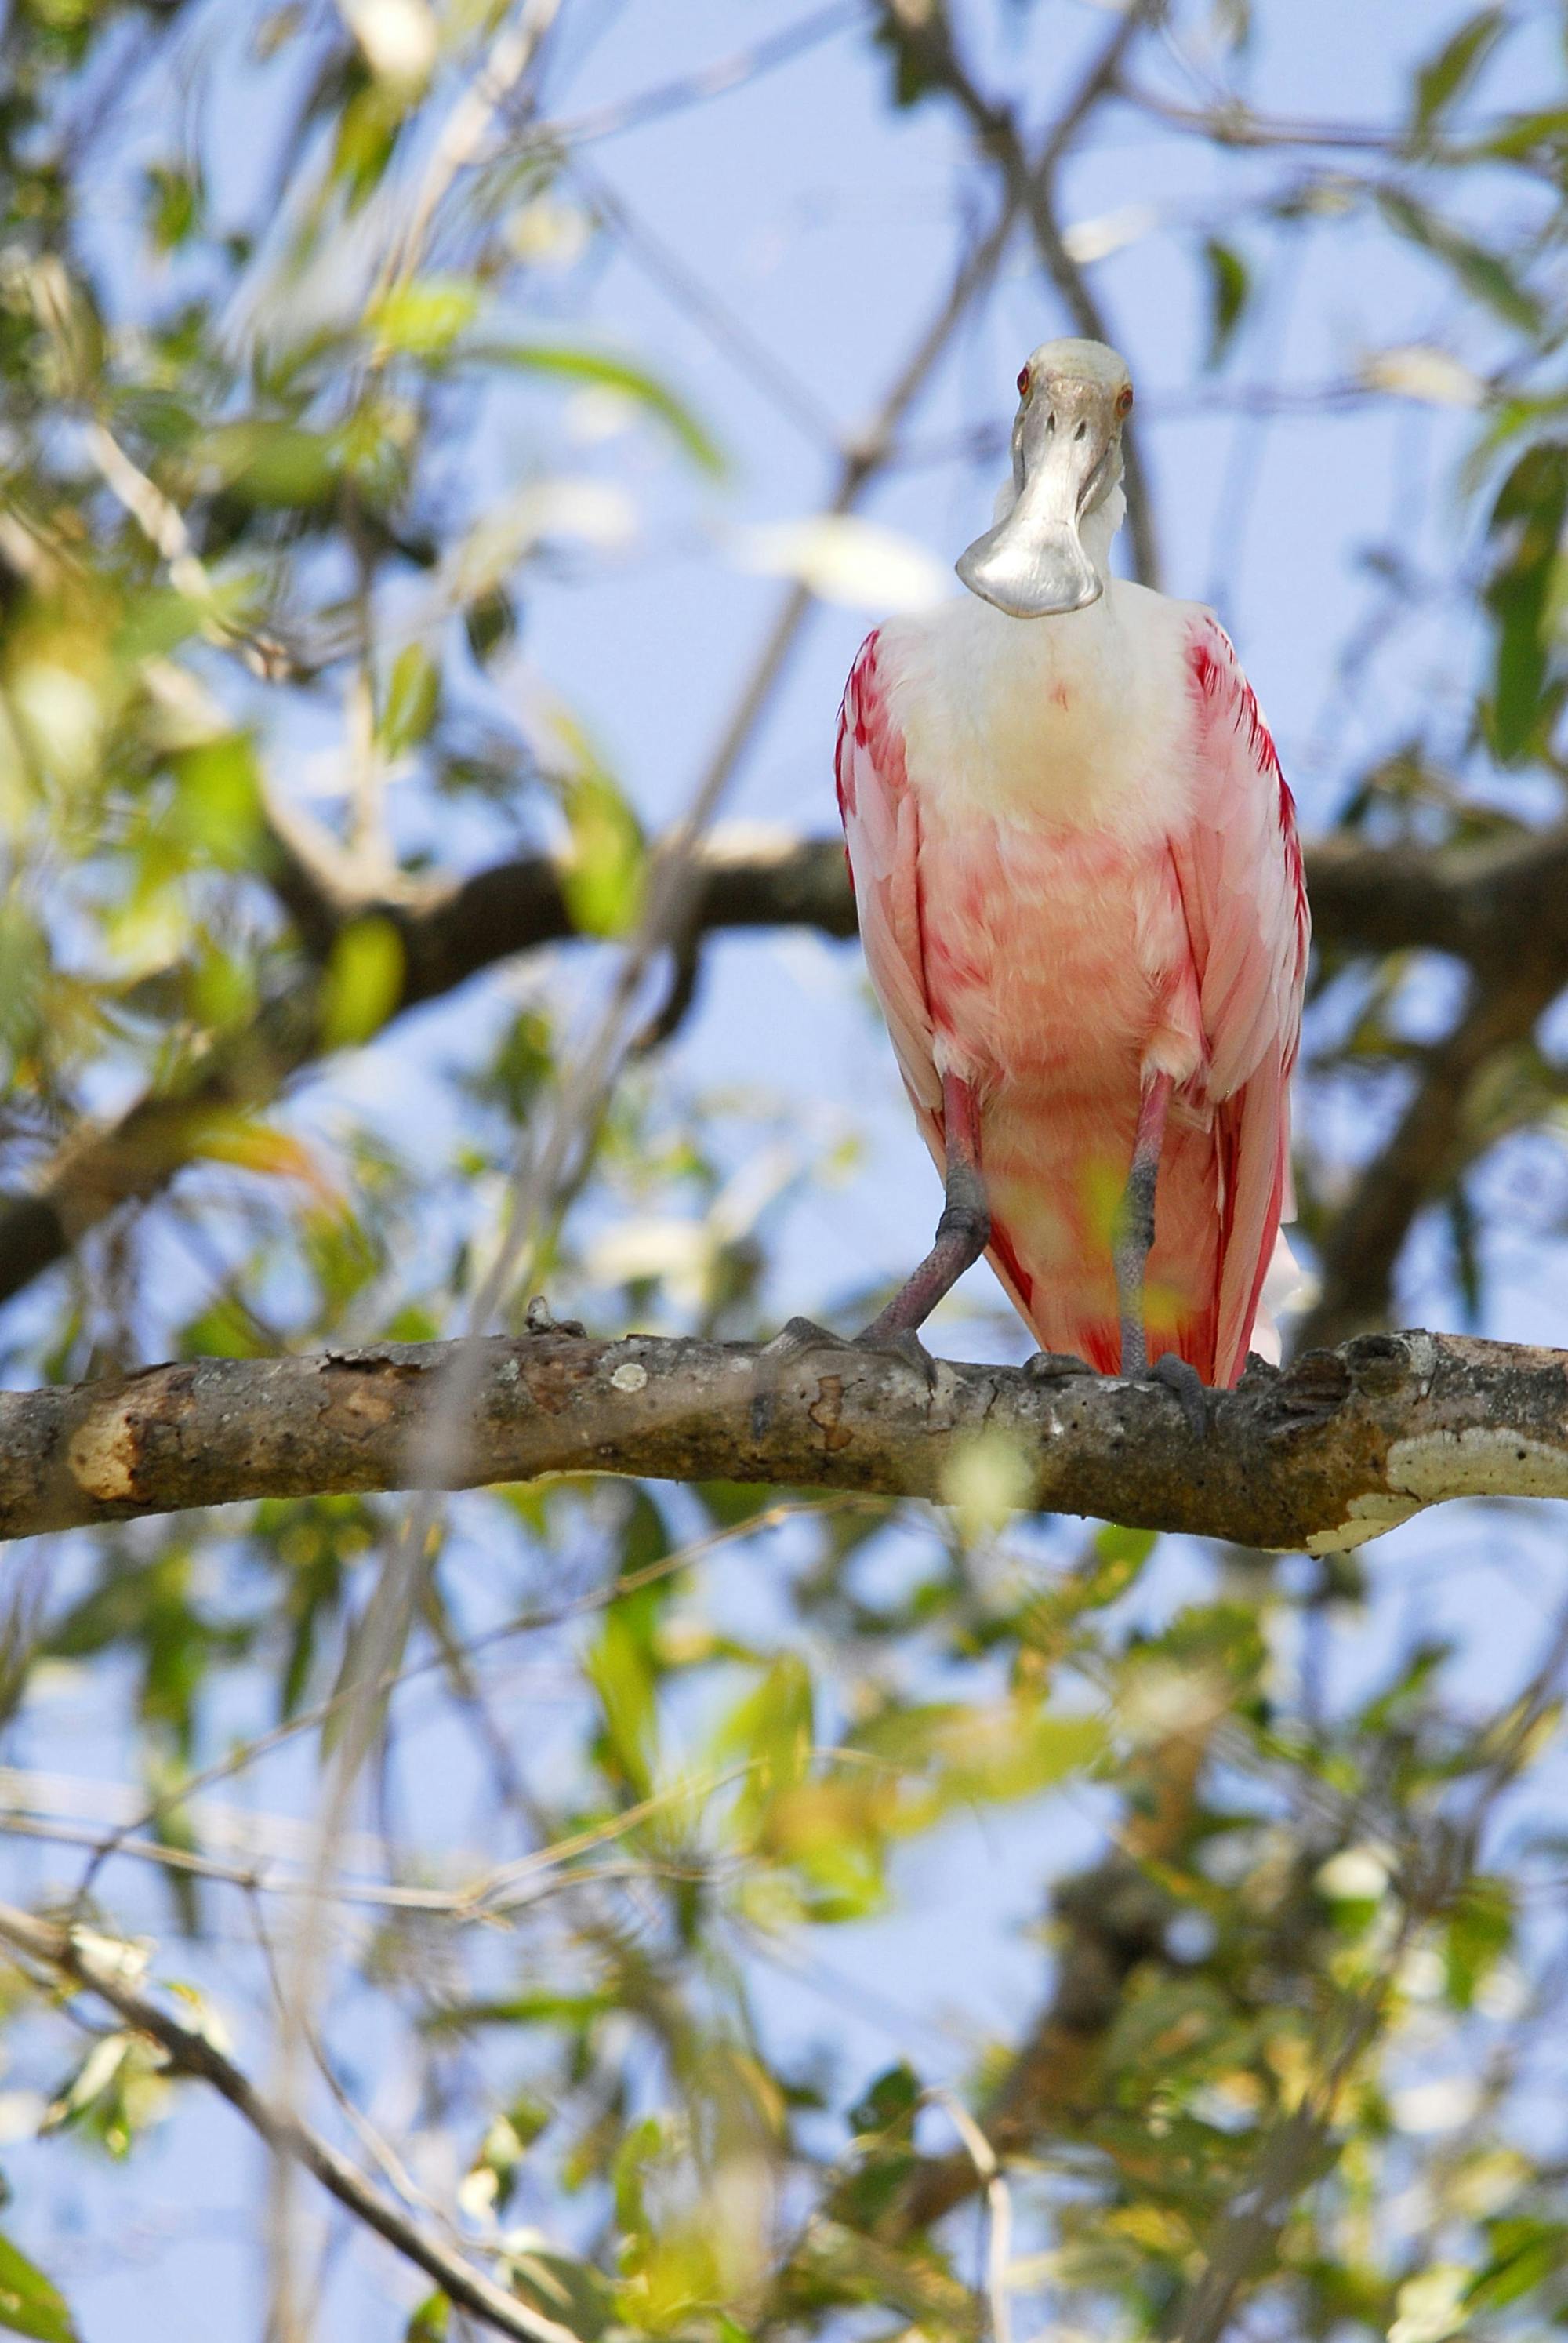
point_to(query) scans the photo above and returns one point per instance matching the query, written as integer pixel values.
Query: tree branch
(924, 35)
(1496, 906)
(1326, 1455)
(87, 1962)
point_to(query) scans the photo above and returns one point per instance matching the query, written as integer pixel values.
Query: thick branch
(85, 1963)
(1426, 1152)
(1341, 1447)
(1498, 906)
(448, 933)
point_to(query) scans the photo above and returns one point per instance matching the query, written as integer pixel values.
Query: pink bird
(1079, 893)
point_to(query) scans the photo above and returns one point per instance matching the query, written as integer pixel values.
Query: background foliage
(390, 493)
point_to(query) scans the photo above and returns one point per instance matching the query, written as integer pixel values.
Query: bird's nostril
(1081, 430)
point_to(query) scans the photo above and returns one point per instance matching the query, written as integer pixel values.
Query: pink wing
(1239, 868)
(881, 841)
(881, 844)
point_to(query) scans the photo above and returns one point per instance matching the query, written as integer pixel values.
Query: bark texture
(1343, 1445)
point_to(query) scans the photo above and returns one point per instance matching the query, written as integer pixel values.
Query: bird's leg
(1134, 1234)
(1133, 1243)
(963, 1231)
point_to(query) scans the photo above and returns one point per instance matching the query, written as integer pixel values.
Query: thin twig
(90, 1964)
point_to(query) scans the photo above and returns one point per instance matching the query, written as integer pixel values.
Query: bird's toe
(903, 1344)
(1180, 1377)
(1055, 1366)
(797, 1335)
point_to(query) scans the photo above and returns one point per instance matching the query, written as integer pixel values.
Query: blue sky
(826, 226)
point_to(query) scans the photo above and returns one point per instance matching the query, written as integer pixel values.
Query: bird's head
(1073, 398)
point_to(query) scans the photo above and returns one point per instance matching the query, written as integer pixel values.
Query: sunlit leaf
(218, 799)
(413, 696)
(361, 983)
(603, 880)
(29, 2303)
(424, 317)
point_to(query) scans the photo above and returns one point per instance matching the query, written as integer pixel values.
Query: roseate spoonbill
(1079, 894)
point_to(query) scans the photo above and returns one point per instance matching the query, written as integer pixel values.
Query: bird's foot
(539, 1319)
(798, 1335)
(1181, 1378)
(1055, 1366)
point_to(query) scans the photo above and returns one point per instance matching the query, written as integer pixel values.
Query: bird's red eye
(1023, 381)
(1124, 399)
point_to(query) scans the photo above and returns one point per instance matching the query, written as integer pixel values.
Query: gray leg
(1134, 1238)
(963, 1231)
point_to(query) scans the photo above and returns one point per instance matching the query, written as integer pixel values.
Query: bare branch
(1341, 1447)
(1486, 904)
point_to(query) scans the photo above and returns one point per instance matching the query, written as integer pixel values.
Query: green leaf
(490, 623)
(590, 367)
(891, 2100)
(570, 2292)
(174, 203)
(1530, 512)
(217, 800)
(914, 76)
(620, 1669)
(270, 463)
(431, 2322)
(1230, 285)
(603, 881)
(424, 317)
(1482, 275)
(1523, 2252)
(772, 1729)
(1479, 1931)
(362, 982)
(29, 2303)
(413, 696)
(1447, 75)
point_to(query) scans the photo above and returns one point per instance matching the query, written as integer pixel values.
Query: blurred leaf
(362, 982)
(490, 623)
(1524, 2251)
(423, 318)
(1444, 79)
(1480, 1930)
(620, 1666)
(1485, 276)
(571, 2292)
(270, 463)
(1230, 285)
(603, 881)
(1529, 515)
(914, 75)
(218, 799)
(413, 696)
(609, 373)
(29, 2303)
(174, 204)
